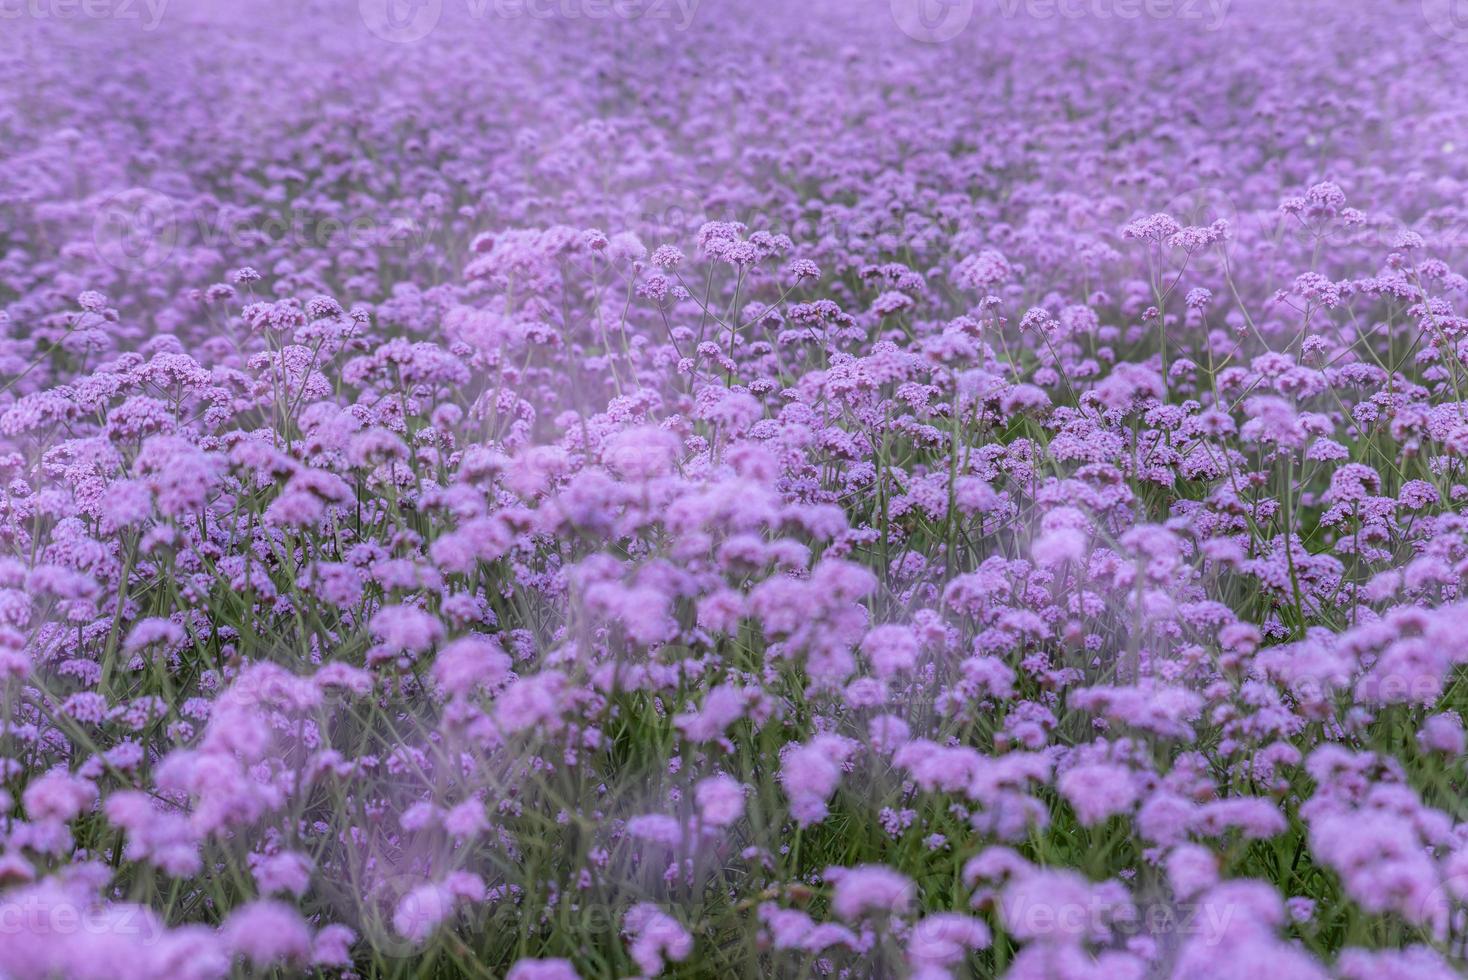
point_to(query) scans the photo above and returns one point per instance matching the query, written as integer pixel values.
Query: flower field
(552, 489)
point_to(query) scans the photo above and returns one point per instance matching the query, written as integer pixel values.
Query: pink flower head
(720, 800)
(268, 933)
(869, 889)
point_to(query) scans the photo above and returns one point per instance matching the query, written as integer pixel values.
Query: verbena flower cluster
(600, 497)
